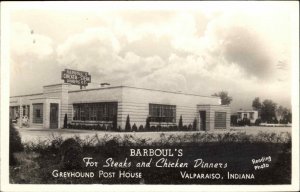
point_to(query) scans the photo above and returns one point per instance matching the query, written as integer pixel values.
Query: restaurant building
(103, 106)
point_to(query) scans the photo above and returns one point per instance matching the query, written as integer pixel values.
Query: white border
(7, 7)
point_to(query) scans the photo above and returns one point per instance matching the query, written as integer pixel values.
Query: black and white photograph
(154, 96)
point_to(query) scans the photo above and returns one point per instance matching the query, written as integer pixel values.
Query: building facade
(252, 115)
(108, 104)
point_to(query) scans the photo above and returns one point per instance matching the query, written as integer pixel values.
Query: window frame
(96, 111)
(162, 113)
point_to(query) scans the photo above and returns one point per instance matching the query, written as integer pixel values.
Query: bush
(190, 127)
(185, 128)
(195, 124)
(128, 126)
(257, 122)
(180, 125)
(115, 123)
(71, 154)
(134, 128)
(147, 127)
(15, 144)
(65, 121)
(141, 128)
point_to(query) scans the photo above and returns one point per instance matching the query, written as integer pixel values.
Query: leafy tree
(284, 115)
(180, 124)
(127, 126)
(225, 98)
(268, 111)
(256, 104)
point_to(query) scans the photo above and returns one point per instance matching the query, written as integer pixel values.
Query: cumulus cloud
(190, 51)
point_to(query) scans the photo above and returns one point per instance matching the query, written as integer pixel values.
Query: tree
(268, 111)
(180, 124)
(127, 126)
(284, 115)
(256, 104)
(225, 98)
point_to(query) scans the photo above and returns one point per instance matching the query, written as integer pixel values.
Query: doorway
(202, 120)
(53, 115)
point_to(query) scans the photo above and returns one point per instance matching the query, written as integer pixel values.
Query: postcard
(153, 96)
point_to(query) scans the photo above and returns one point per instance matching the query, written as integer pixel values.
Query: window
(162, 113)
(95, 111)
(245, 115)
(220, 120)
(37, 113)
(26, 110)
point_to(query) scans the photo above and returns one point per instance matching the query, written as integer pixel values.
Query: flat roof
(116, 87)
(26, 95)
(125, 86)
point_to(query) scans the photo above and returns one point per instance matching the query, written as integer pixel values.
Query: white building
(103, 106)
(252, 115)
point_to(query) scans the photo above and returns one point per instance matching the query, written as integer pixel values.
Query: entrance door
(202, 120)
(53, 115)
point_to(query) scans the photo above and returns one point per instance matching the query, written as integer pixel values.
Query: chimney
(105, 84)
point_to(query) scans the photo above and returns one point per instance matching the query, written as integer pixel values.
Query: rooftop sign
(76, 77)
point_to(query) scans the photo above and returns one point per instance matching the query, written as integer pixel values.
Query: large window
(95, 111)
(162, 113)
(220, 120)
(37, 113)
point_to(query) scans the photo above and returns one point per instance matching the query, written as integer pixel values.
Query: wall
(210, 115)
(58, 91)
(106, 94)
(136, 101)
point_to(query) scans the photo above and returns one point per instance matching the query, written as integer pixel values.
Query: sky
(243, 48)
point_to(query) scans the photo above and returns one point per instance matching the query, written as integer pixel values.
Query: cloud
(25, 41)
(190, 51)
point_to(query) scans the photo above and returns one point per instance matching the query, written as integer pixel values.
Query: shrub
(185, 128)
(158, 128)
(141, 128)
(71, 154)
(65, 121)
(115, 121)
(257, 122)
(119, 129)
(134, 128)
(190, 127)
(152, 128)
(180, 125)
(15, 144)
(147, 127)
(195, 124)
(128, 126)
